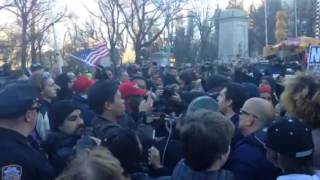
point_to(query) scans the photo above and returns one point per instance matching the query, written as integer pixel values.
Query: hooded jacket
(184, 172)
(60, 149)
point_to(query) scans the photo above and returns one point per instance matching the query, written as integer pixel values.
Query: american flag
(91, 56)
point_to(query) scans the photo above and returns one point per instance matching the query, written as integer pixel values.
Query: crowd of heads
(209, 119)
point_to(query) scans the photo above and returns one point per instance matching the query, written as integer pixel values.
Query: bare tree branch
(142, 16)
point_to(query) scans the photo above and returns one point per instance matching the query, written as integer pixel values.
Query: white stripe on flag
(98, 50)
(81, 60)
(93, 57)
(96, 59)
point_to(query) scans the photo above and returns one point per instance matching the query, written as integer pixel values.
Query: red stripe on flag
(97, 49)
(98, 56)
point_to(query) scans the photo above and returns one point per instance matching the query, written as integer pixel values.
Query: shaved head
(261, 108)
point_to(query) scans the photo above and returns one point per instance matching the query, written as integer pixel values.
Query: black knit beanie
(59, 111)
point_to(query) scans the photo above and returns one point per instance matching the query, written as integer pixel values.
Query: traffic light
(250, 23)
(173, 59)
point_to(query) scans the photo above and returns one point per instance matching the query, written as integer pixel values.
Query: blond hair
(97, 164)
(301, 98)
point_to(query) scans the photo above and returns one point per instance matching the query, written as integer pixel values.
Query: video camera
(169, 91)
(158, 119)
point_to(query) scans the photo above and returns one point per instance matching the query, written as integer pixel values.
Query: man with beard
(67, 134)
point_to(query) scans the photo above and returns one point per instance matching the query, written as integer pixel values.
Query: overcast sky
(76, 6)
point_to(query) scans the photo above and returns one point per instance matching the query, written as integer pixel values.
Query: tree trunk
(112, 54)
(137, 50)
(24, 43)
(33, 52)
(113, 58)
(39, 51)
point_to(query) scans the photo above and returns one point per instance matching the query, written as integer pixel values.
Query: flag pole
(57, 58)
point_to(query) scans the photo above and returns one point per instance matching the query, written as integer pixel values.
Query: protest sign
(313, 63)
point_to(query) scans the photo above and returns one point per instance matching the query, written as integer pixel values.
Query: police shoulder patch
(11, 172)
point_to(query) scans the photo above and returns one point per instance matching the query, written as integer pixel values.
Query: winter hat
(36, 67)
(252, 90)
(59, 111)
(202, 102)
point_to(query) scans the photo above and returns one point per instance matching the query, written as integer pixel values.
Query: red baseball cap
(130, 88)
(82, 83)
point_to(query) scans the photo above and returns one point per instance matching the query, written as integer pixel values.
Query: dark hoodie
(184, 172)
(248, 160)
(60, 149)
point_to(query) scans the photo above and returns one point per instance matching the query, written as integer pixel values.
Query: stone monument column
(233, 35)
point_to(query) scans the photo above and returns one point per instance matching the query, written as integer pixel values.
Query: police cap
(16, 98)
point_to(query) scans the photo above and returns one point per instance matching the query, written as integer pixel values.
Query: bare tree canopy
(111, 19)
(35, 18)
(141, 16)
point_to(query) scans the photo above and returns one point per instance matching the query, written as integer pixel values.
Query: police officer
(18, 114)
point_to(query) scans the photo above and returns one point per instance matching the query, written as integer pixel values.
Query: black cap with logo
(290, 137)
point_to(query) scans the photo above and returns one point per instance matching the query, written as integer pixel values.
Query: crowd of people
(160, 123)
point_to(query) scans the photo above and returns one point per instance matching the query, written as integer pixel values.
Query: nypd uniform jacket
(19, 160)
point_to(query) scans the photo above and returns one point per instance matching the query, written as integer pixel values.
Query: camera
(169, 91)
(206, 67)
(154, 117)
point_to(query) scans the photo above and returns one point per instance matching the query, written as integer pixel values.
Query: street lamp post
(295, 19)
(55, 43)
(266, 21)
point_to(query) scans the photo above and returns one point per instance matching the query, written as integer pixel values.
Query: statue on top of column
(235, 4)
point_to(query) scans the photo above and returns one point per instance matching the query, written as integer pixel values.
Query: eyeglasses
(246, 113)
(36, 105)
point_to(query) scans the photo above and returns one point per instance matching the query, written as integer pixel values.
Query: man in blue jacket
(248, 158)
